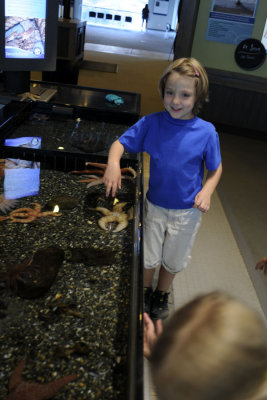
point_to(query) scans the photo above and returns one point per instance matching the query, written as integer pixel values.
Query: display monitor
(28, 35)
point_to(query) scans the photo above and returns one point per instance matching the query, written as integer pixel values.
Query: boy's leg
(154, 233)
(159, 301)
(148, 277)
(165, 279)
(182, 227)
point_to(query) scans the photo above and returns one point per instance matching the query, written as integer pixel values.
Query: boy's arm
(203, 198)
(112, 176)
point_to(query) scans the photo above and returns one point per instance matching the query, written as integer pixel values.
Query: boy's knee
(149, 266)
(175, 269)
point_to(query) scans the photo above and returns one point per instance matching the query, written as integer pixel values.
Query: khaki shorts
(169, 236)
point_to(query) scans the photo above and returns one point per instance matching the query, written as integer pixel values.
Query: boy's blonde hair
(192, 68)
(213, 348)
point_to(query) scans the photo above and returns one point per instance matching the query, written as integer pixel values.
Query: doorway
(125, 15)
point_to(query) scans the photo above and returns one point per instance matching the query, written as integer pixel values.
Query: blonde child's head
(213, 348)
(192, 68)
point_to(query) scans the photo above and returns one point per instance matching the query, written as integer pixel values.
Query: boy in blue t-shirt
(180, 144)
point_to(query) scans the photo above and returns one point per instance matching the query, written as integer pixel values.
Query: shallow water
(81, 324)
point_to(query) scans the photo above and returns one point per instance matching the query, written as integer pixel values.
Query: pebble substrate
(93, 341)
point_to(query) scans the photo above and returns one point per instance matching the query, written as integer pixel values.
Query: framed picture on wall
(231, 21)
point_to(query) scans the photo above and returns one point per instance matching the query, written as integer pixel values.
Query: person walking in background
(145, 16)
(180, 144)
(213, 348)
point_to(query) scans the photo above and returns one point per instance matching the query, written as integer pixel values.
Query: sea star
(21, 390)
(95, 179)
(25, 215)
(116, 215)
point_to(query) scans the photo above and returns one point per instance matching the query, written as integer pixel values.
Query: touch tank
(71, 283)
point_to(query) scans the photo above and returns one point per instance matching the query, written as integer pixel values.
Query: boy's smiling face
(180, 96)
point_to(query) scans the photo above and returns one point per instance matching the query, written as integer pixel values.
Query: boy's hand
(202, 201)
(151, 334)
(203, 198)
(262, 265)
(112, 179)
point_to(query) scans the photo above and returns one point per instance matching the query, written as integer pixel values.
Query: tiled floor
(127, 51)
(152, 40)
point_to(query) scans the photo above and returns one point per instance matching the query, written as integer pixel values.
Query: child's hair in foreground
(213, 348)
(192, 68)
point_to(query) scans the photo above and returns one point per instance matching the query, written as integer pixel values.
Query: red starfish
(21, 390)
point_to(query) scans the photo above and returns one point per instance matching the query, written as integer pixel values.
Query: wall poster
(231, 21)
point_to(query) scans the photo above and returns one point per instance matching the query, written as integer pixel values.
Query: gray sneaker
(159, 306)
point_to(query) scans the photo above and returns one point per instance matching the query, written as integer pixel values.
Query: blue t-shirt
(178, 150)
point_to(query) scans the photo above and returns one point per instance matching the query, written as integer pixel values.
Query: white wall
(161, 13)
(158, 9)
(77, 11)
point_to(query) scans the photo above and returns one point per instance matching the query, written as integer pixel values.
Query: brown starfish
(25, 215)
(98, 180)
(21, 390)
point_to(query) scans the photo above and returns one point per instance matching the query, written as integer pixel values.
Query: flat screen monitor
(28, 40)
(28, 33)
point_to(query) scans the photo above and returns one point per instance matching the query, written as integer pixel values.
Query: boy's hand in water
(112, 179)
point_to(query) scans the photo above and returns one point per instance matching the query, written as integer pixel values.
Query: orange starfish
(21, 390)
(96, 180)
(25, 215)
